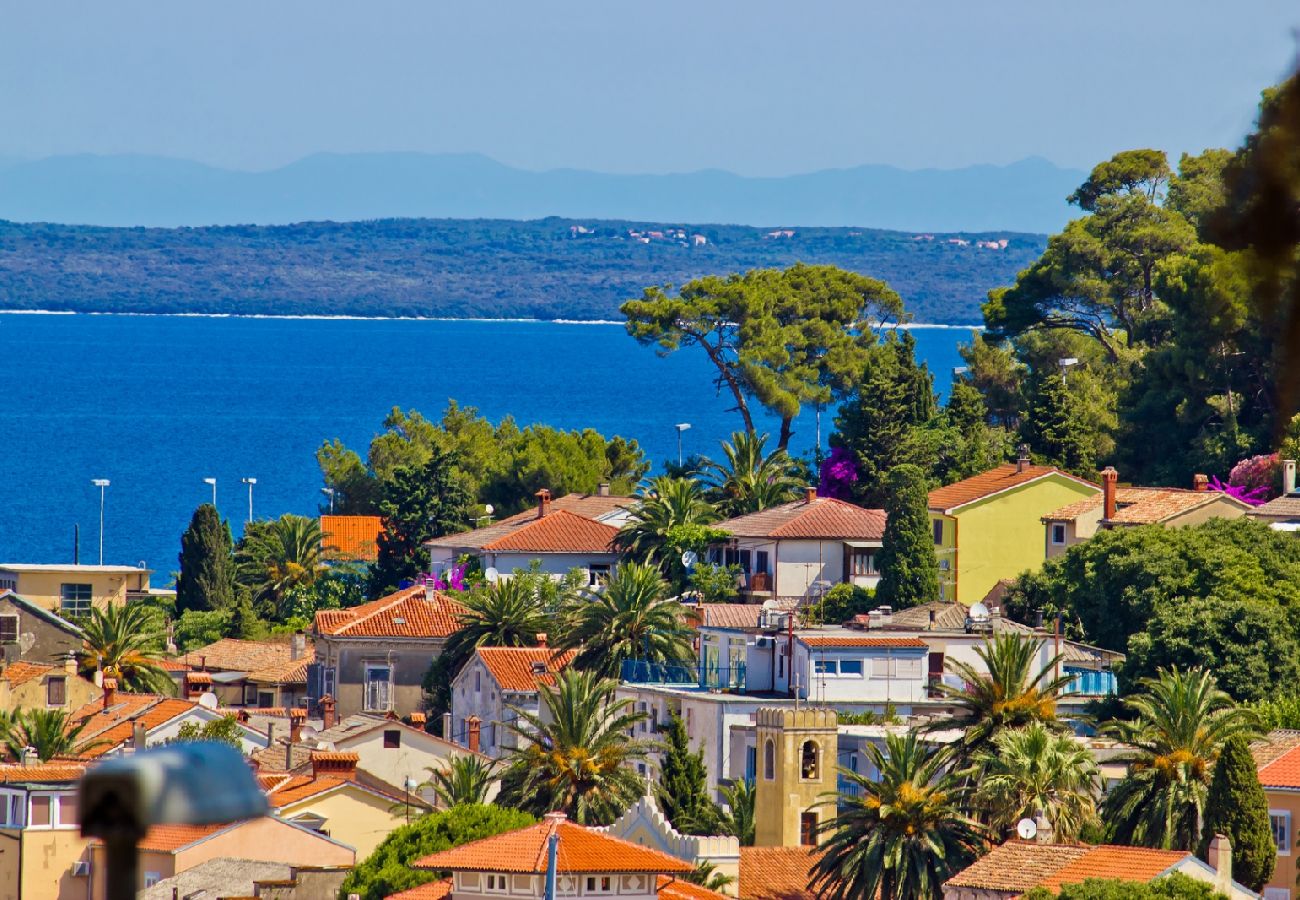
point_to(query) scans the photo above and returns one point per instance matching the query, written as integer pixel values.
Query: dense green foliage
(738, 820)
(225, 729)
(841, 603)
(464, 780)
(417, 504)
(748, 478)
(125, 642)
(207, 566)
(388, 869)
(908, 564)
(683, 790)
(1236, 806)
(280, 560)
(48, 732)
(1176, 886)
(1037, 770)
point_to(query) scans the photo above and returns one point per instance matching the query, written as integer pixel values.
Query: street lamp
(250, 482)
(213, 482)
(681, 426)
(329, 492)
(101, 483)
(1065, 364)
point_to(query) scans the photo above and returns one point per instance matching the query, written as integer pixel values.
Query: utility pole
(250, 482)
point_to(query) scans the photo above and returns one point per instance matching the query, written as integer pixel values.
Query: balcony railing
(1090, 683)
(711, 677)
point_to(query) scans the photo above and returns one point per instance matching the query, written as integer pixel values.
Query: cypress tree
(1236, 806)
(683, 792)
(207, 564)
(909, 568)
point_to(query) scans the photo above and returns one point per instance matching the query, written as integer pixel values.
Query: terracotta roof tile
(986, 484)
(776, 873)
(172, 665)
(170, 838)
(1016, 866)
(235, 655)
(1285, 507)
(433, 890)
(404, 614)
(291, 671)
(726, 615)
(1273, 745)
(1283, 771)
(580, 850)
(557, 532)
(512, 667)
(588, 506)
(1157, 506)
(56, 770)
(113, 727)
(823, 640)
(301, 787)
(21, 672)
(352, 538)
(679, 889)
(824, 517)
(1072, 511)
(1139, 864)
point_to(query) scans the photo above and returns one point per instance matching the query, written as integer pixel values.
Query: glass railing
(705, 675)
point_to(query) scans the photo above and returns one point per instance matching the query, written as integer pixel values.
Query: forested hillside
(549, 268)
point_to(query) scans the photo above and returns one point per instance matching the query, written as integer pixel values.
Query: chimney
(1288, 477)
(418, 720)
(430, 592)
(934, 617)
(334, 762)
(446, 726)
(30, 757)
(602, 489)
(270, 734)
(327, 711)
(70, 665)
(556, 817)
(1044, 834)
(1220, 859)
(139, 736)
(809, 494)
(1022, 458)
(543, 502)
(297, 645)
(196, 683)
(1200, 482)
(472, 726)
(541, 638)
(110, 690)
(296, 718)
(1109, 477)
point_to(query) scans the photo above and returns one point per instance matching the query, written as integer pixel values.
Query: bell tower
(794, 789)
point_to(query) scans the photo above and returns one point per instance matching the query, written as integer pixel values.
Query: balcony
(708, 676)
(1090, 683)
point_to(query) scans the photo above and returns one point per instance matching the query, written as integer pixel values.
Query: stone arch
(810, 760)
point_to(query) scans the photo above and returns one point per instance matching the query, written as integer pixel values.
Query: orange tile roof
(1139, 864)
(172, 665)
(235, 655)
(1161, 505)
(986, 484)
(824, 517)
(725, 615)
(351, 538)
(404, 614)
(1072, 511)
(170, 838)
(291, 671)
(1018, 866)
(512, 667)
(1282, 772)
(113, 727)
(557, 532)
(816, 640)
(301, 787)
(21, 672)
(1273, 745)
(580, 850)
(679, 889)
(776, 873)
(588, 506)
(56, 770)
(433, 890)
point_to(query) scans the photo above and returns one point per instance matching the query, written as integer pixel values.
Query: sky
(754, 87)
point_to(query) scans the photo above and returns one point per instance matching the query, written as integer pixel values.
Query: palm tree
(739, 820)
(49, 732)
(663, 504)
(1008, 691)
(575, 755)
(505, 614)
(631, 617)
(748, 480)
(277, 556)
(1181, 719)
(1035, 770)
(707, 876)
(125, 642)
(902, 835)
(466, 779)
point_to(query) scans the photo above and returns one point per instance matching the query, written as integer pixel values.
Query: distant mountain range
(1026, 196)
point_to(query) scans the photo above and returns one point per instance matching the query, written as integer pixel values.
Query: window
(74, 599)
(808, 829)
(478, 681)
(11, 810)
(265, 699)
(851, 667)
(863, 561)
(599, 884)
(746, 561)
(760, 562)
(938, 531)
(826, 667)
(379, 688)
(1280, 821)
(1277, 893)
(895, 667)
(8, 629)
(392, 739)
(68, 809)
(40, 816)
(56, 690)
(152, 878)
(751, 765)
(1058, 534)
(496, 884)
(769, 760)
(808, 761)
(597, 573)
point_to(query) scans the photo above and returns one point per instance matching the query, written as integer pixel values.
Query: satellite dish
(208, 700)
(489, 509)
(690, 558)
(1026, 829)
(979, 612)
(490, 575)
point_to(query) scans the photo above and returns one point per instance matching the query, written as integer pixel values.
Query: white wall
(905, 681)
(474, 692)
(414, 756)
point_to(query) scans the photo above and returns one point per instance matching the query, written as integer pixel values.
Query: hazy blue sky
(755, 87)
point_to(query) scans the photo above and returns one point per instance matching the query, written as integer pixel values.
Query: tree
(125, 642)
(417, 504)
(630, 617)
(739, 818)
(49, 732)
(387, 870)
(1175, 886)
(504, 614)
(225, 730)
(1235, 806)
(683, 791)
(749, 480)
(198, 629)
(899, 836)
(276, 558)
(781, 338)
(908, 565)
(207, 565)
(575, 755)
(1053, 429)
(1180, 721)
(707, 876)
(1037, 769)
(662, 505)
(464, 780)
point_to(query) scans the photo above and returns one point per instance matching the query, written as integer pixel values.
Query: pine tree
(908, 565)
(207, 563)
(1236, 807)
(1055, 429)
(683, 792)
(417, 504)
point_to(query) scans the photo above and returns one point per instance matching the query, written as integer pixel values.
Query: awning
(863, 544)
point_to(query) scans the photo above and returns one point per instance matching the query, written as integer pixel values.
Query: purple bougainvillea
(452, 579)
(1254, 496)
(838, 474)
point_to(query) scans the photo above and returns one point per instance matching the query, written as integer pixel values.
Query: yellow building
(1278, 759)
(27, 685)
(42, 853)
(71, 590)
(794, 790)
(990, 526)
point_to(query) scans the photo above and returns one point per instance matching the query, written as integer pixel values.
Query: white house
(119, 722)
(799, 550)
(490, 684)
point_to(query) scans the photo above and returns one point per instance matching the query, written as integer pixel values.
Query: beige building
(71, 590)
(42, 853)
(27, 685)
(795, 785)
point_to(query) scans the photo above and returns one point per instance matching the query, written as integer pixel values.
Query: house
(797, 551)
(250, 673)
(350, 538)
(42, 853)
(574, 531)
(1119, 507)
(373, 657)
(989, 526)
(31, 632)
(589, 863)
(229, 877)
(1019, 866)
(28, 685)
(167, 850)
(645, 824)
(1282, 513)
(493, 682)
(71, 590)
(117, 722)
(334, 799)
(1277, 758)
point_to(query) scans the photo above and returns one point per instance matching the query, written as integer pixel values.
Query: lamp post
(250, 482)
(101, 483)
(1065, 365)
(329, 492)
(681, 426)
(213, 482)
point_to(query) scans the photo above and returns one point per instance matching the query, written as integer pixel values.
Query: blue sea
(156, 404)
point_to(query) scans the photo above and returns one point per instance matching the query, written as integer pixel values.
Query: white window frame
(370, 695)
(13, 809)
(496, 884)
(55, 798)
(77, 601)
(1283, 815)
(598, 884)
(152, 878)
(1057, 528)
